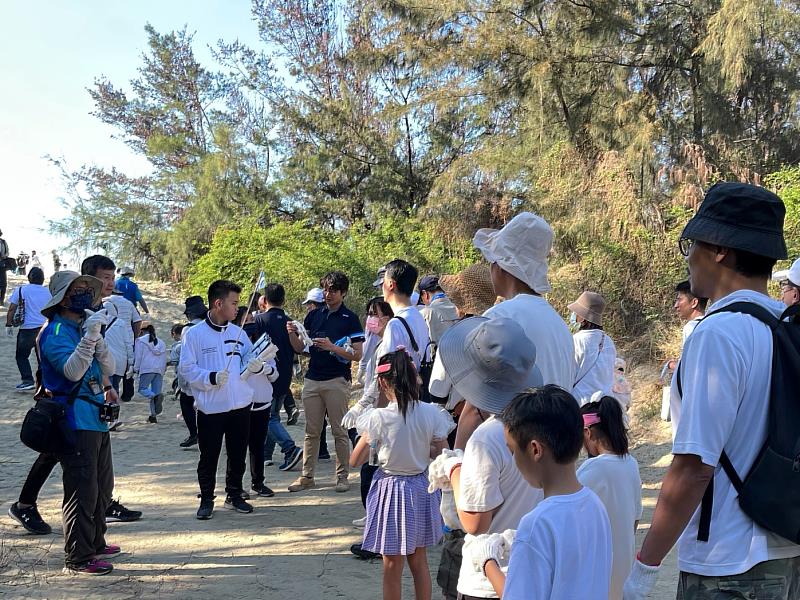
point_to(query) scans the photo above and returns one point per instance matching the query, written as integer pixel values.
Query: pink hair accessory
(384, 368)
(590, 419)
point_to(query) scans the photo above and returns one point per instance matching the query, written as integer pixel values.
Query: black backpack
(425, 367)
(770, 492)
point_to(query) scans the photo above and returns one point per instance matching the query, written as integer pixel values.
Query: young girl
(402, 517)
(150, 362)
(613, 474)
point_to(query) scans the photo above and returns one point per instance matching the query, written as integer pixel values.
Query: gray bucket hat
(61, 281)
(489, 361)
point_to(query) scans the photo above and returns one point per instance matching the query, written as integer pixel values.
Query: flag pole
(261, 283)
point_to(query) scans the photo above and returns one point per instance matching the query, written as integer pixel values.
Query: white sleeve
(443, 424)
(480, 478)
(137, 354)
(14, 299)
(440, 383)
(713, 374)
(393, 336)
(197, 377)
(530, 570)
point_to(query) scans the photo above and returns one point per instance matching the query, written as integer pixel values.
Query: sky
(50, 52)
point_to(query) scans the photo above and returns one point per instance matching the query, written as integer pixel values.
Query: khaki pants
(319, 397)
(777, 579)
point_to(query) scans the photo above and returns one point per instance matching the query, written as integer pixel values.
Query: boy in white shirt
(723, 381)
(562, 548)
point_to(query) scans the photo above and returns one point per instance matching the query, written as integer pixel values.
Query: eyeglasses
(684, 245)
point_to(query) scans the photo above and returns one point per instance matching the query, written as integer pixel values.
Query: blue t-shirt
(128, 289)
(57, 343)
(323, 366)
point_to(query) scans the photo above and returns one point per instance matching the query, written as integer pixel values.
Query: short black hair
(177, 328)
(550, 415)
(404, 274)
(335, 280)
(275, 294)
(220, 289)
(684, 287)
(385, 307)
(96, 262)
(753, 265)
(36, 276)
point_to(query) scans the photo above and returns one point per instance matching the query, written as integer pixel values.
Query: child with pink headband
(613, 474)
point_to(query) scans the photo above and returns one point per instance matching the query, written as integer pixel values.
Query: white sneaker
(360, 523)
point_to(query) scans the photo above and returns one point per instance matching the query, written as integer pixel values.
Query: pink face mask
(373, 324)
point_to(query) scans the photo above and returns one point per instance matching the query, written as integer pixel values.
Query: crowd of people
(475, 401)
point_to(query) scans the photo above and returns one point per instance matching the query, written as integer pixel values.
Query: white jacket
(119, 336)
(149, 357)
(205, 351)
(261, 384)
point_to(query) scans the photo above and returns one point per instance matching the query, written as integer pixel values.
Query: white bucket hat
(314, 295)
(792, 274)
(520, 248)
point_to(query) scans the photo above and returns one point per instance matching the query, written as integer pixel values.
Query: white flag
(262, 281)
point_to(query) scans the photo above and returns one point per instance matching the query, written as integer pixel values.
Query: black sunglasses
(684, 245)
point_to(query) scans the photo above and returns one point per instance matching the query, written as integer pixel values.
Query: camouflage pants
(771, 580)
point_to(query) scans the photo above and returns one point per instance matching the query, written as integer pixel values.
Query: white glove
(94, 322)
(451, 463)
(129, 373)
(268, 353)
(438, 478)
(221, 378)
(486, 548)
(255, 365)
(640, 582)
(449, 511)
(351, 416)
(9, 331)
(301, 331)
(509, 535)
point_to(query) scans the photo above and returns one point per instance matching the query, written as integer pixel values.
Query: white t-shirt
(726, 372)
(35, 297)
(404, 445)
(615, 480)
(674, 400)
(595, 365)
(119, 336)
(490, 480)
(545, 328)
(689, 327)
(395, 334)
(562, 551)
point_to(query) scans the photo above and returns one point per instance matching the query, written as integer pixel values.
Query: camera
(109, 412)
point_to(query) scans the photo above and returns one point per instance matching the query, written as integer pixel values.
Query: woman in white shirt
(595, 353)
(403, 518)
(613, 474)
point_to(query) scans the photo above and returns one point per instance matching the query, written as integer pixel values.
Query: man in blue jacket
(75, 360)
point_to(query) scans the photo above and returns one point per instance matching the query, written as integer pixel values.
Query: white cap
(127, 271)
(314, 295)
(792, 273)
(520, 248)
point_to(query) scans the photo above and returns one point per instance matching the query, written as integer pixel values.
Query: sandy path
(292, 545)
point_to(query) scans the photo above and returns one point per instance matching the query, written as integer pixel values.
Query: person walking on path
(3, 277)
(150, 362)
(29, 300)
(595, 352)
(337, 337)
(129, 289)
(723, 381)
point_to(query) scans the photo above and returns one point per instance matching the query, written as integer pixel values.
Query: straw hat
(61, 281)
(589, 306)
(470, 290)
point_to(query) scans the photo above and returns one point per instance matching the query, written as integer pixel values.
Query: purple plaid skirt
(401, 515)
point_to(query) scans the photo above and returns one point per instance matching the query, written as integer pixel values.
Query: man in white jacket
(213, 355)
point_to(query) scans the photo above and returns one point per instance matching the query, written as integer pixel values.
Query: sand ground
(292, 545)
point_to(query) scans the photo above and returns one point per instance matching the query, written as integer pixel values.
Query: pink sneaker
(93, 567)
(109, 551)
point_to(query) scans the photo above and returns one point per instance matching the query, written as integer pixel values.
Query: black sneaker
(30, 519)
(363, 554)
(324, 458)
(189, 442)
(263, 491)
(116, 512)
(206, 510)
(244, 495)
(238, 504)
(294, 457)
(152, 419)
(158, 400)
(292, 419)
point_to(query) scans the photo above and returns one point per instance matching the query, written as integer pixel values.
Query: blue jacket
(128, 289)
(57, 343)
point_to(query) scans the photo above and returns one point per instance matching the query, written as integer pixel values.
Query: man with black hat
(439, 312)
(723, 381)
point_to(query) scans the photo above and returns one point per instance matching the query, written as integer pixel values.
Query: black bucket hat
(740, 216)
(195, 308)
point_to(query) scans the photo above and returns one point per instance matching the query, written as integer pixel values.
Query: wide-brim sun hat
(471, 290)
(61, 281)
(589, 306)
(489, 361)
(742, 217)
(520, 248)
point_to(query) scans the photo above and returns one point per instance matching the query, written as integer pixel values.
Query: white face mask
(574, 326)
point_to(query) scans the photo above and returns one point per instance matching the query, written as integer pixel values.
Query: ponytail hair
(151, 331)
(611, 424)
(397, 369)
